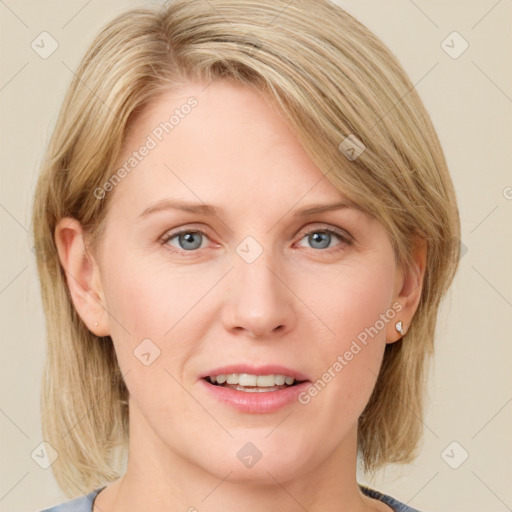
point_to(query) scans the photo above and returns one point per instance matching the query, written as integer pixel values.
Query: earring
(400, 327)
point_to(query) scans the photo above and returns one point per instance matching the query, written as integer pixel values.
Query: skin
(298, 304)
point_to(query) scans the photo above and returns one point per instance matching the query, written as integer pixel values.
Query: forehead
(217, 143)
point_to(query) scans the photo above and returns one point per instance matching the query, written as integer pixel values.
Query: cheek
(152, 328)
(150, 299)
(156, 309)
(353, 299)
(356, 305)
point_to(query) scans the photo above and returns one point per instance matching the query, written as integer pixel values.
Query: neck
(160, 479)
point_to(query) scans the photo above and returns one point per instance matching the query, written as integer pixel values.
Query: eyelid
(188, 228)
(170, 234)
(343, 233)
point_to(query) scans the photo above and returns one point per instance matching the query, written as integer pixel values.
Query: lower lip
(256, 402)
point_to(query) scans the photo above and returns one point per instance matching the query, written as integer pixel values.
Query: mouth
(254, 389)
(252, 383)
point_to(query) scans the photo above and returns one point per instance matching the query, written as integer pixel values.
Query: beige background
(470, 101)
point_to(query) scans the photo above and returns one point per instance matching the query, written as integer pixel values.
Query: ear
(408, 288)
(82, 275)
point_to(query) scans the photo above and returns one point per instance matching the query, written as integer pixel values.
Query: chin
(261, 461)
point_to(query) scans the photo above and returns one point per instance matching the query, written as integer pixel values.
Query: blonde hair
(331, 78)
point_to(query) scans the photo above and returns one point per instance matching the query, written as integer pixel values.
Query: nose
(259, 303)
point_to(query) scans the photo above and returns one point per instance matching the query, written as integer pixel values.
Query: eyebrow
(205, 209)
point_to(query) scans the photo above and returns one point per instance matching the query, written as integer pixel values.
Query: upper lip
(270, 369)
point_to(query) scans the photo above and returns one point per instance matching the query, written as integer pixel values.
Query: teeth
(262, 381)
(280, 380)
(246, 379)
(256, 389)
(232, 378)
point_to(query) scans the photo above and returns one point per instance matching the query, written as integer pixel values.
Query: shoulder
(82, 504)
(396, 505)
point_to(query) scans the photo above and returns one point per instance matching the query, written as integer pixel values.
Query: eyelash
(345, 240)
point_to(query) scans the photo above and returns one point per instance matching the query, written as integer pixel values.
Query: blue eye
(187, 240)
(322, 238)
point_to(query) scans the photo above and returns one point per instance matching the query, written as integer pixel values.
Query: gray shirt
(85, 503)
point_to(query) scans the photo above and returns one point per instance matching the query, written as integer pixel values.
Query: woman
(244, 228)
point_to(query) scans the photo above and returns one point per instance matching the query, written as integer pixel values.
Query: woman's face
(260, 287)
